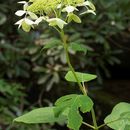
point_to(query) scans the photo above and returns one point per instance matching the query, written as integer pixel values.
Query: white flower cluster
(30, 18)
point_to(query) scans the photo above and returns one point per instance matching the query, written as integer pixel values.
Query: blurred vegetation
(29, 72)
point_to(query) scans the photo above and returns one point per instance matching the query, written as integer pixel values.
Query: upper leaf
(82, 77)
(119, 119)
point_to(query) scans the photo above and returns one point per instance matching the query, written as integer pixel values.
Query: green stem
(88, 125)
(69, 63)
(94, 119)
(82, 88)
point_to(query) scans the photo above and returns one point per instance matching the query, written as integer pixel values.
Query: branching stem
(90, 126)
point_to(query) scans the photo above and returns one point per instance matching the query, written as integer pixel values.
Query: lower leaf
(40, 115)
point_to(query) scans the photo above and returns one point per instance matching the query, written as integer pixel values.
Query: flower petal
(20, 12)
(28, 21)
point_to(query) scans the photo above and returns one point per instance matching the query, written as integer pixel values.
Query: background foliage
(29, 73)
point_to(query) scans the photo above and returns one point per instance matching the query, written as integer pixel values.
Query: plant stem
(69, 63)
(88, 125)
(94, 119)
(82, 88)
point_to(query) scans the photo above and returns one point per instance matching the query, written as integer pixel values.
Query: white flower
(22, 2)
(19, 23)
(20, 12)
(69, 9)
(25, 4)
(59, 6)
(39, 20)
(28, 21)
(56, 22)
(89, 4)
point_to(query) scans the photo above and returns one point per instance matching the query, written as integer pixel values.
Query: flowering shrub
(57, 14)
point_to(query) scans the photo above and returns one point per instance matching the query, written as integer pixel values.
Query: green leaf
(119, 119)
(74, 117)
(40, 115)
(72, 103)
(33, 15)
(82, 77)
(73, 17)
(65, 99)
(51, 43)
(78, 47)
(25, 26)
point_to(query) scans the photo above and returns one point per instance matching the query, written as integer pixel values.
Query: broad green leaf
(74, 117)
(40, 115)
(119, 119)
(82, 77)
(65, 99)
(73, 103)
(78, 47)
(63, 102)
(85, 104)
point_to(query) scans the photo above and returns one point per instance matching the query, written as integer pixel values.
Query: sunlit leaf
(40, 115)
(82, 77)
(119, 119)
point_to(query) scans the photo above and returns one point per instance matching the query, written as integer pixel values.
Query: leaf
(88, 11)
(32, 15)
(74, 117)
(73, 17)
(25, 26)
(72, 103)
(62, 103)
(78, 47)
(66, 98)
(82, 77)
(51, 43)
(119, 119)
(40, 115)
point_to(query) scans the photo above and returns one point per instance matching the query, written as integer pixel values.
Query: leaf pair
(66, 107)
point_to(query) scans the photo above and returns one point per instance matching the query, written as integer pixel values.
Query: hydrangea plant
(58, 14)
